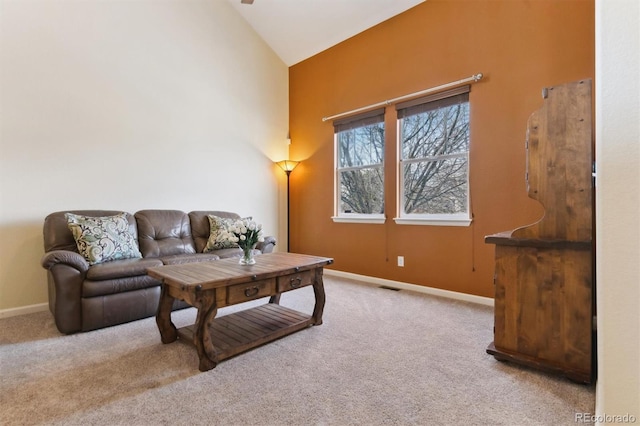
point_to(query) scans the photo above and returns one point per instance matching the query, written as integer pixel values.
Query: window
(359, 168)
(433, 157)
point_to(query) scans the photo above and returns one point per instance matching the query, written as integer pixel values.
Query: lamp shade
(287, 165)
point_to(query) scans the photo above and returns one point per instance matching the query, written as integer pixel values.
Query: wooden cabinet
(544, 273)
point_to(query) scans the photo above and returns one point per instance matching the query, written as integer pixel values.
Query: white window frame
(341, 217)
(454, 219)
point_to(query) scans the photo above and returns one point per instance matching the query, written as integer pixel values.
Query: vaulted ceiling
(298, 29)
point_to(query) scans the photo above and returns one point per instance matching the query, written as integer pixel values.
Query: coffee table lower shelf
(238, 332)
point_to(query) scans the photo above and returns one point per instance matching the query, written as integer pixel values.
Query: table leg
(168, 332)
(207, 311)
(275, 298)
(318, 290)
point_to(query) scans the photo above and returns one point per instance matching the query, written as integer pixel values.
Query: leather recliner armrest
(66, 271)
(66, 257)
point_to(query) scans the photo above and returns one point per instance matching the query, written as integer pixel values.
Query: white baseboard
(413, 287)
(23, 310)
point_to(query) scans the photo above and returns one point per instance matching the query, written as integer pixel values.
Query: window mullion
(435, 158)
(368, 166)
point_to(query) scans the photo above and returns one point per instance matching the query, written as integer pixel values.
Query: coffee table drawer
(290, 282)
(244, 292)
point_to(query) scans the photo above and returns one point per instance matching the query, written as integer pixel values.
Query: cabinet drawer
(243, 292)
(290, 282)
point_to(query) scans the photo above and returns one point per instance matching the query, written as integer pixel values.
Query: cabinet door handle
(251, 291)
(295, 282)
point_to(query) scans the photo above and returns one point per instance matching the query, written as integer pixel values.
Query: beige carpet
(382, 357)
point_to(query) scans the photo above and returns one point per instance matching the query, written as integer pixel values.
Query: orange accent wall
(520, 46)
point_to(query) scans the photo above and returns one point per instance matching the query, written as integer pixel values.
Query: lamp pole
(288, 172)
(288, 166)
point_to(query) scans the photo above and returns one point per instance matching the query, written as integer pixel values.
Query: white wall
(128, 105)
(618, 207)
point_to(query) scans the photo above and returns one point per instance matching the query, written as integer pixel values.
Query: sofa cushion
(92, 288)
(121, 269)
(104, 238)
(201, 226)
(164, 233)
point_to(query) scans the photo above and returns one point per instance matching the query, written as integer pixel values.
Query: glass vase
(247, 256)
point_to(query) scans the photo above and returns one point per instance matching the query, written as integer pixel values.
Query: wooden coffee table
(216, 284)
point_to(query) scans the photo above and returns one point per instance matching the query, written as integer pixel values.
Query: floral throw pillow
(101, 239)
(219, 233)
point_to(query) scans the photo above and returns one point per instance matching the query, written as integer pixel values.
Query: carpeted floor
(382, 357)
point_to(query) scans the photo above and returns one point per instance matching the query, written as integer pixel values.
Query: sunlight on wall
(128, 106)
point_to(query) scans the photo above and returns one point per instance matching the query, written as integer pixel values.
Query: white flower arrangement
(246, 233)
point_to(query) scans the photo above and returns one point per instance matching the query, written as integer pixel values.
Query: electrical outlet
(400, 260)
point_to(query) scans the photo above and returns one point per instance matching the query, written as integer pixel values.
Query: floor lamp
(287, 166)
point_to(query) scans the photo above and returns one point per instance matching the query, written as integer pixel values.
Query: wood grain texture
(559, 164)
(226, 272)
(543, 306)
(238, 332)
(212, 285)
(544, 275)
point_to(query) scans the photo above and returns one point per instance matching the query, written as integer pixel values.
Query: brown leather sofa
(85, 297)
